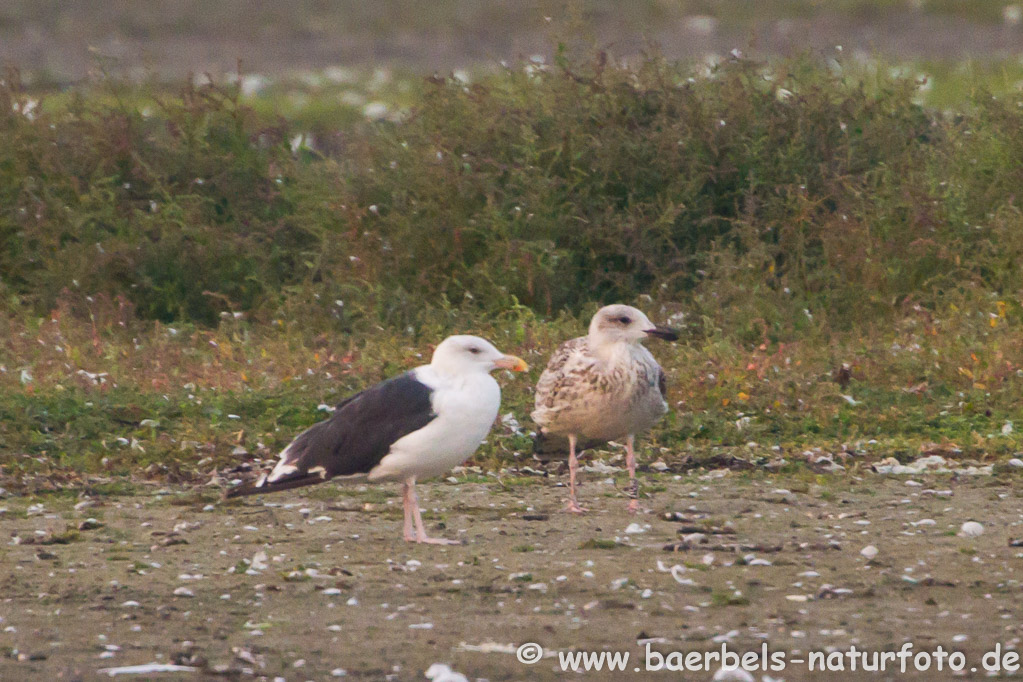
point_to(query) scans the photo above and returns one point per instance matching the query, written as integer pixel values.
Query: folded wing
(353, 440)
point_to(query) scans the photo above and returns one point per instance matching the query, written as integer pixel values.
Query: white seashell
(971, 529)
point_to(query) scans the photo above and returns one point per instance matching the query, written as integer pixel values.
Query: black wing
(355, 438)
(662, 383)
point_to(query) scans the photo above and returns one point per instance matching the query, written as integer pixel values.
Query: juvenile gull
(603, 386)
(412, 426)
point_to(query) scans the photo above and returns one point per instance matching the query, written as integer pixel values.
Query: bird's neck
(452, 376)
(612, 352)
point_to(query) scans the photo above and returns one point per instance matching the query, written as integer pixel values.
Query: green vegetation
(186, 275)
(728, 599)
(600, 543)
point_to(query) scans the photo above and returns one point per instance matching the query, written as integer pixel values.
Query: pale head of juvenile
(624, 324)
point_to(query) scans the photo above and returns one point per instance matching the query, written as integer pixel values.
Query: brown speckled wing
(564, 363)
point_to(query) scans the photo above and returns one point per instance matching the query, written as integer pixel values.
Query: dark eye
(624, 320)
(474, 350)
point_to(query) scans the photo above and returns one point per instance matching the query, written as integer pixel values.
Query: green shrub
(555, 188)
(773, 199)
(178, 205)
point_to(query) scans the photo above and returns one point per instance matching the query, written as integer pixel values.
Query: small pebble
(440, 672)
(971, 529)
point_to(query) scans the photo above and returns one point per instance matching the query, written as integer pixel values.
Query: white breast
(466, 408)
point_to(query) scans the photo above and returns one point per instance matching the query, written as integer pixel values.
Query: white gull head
(463, 354)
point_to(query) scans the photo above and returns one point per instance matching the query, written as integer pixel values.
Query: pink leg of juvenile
(630, 460)
(573, 504)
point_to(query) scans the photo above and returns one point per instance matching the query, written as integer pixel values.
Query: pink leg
(406, 503)
(630, 460)
(573, 505)
(418, 520)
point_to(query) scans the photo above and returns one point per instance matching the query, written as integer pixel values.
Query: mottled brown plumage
(603, 386)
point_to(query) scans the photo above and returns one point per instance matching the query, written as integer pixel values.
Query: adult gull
(412, 426)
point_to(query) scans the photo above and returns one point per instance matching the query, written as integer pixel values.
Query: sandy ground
(174, 576)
